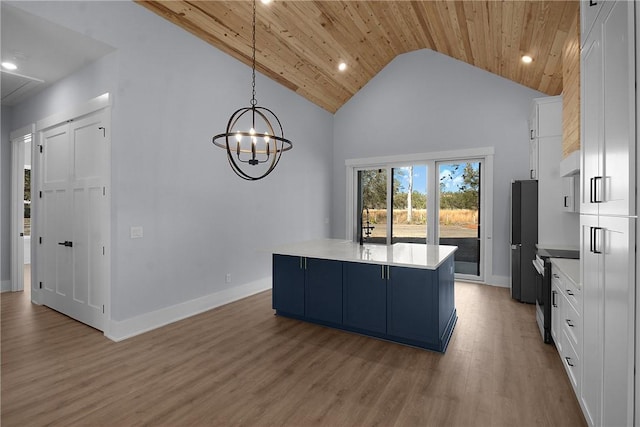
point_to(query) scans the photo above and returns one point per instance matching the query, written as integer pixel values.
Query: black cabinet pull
(568, 359)
(531, 131)
(592, 3)
(66, 243)
(569, 322)
(593, 243)
(566, 201)
(569, 292)
(553, 298)
(595, 189)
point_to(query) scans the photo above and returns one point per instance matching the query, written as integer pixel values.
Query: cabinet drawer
(572, 325)
(571, 364)
(573, 293)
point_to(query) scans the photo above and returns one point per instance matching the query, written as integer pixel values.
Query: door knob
(66, 243)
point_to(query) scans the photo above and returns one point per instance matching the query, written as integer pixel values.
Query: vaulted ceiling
(300, 43)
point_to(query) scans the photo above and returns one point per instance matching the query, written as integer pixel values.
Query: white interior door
(73, 225)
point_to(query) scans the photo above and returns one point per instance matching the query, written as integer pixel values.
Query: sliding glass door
(409, 214)
(434, 202)
(372, 205)
(459, 214)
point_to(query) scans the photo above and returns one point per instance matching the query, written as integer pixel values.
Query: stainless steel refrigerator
(524, 236)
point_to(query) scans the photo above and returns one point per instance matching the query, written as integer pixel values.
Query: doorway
(21, 142)
(72, 217)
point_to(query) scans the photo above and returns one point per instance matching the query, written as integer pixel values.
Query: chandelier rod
(253, 66)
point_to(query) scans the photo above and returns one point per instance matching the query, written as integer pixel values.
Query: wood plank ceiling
(300, 43)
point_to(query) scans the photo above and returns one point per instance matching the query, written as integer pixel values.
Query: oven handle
(539, 268)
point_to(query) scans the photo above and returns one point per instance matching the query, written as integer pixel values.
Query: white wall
(171, 93)
(5, 196)
(425, 102)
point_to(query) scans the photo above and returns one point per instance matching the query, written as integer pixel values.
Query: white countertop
(400, 254)
(570, 268)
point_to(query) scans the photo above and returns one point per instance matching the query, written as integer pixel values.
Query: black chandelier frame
(265, 147)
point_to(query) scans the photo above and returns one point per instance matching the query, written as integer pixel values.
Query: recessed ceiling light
(9, 66)
(342, 66)
(527, 59)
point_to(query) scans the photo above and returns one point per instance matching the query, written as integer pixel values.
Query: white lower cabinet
(608, 287)
(566, 319)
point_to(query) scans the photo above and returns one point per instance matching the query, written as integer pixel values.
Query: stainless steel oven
(542, 264)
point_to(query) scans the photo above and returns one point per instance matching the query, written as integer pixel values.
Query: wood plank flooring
(241, 365)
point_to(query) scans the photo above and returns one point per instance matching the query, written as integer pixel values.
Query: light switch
(136, 232)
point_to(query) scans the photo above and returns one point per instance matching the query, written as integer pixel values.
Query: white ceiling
(43, 51)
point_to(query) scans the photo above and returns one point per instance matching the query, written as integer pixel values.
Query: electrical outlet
(136, 232)
(227, 278)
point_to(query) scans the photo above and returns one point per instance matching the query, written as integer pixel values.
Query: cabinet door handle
(569, 292)
(382, 267)
(592, 3)
(531, 133)
(556, 276)
(568, 359)
(593, 240)
(569, 322)
(566, 201)
(591, 190)
(531, 174)
(597, 199)
(553, 298)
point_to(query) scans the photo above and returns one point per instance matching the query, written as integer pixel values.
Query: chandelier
(254, 139)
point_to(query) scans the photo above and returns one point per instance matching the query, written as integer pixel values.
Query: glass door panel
(409, 216)
(372, 206)
(459, 214)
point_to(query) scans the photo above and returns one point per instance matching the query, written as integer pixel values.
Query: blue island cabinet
(308, 288)
(413, 306)
(365, 297)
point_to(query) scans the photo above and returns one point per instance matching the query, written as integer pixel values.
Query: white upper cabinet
(608, 113)
(545, 121)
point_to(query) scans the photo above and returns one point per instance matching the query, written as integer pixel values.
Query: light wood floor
(241, 365)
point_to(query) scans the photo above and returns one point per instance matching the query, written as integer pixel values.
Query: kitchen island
(402, 292)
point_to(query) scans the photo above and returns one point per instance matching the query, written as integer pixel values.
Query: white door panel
(618, 239)
(592, 315)
(618, 110)
(56, 157)
(74, 211)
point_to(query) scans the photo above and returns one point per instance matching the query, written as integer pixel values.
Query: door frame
(17, 139)
(102, 102)
(484, 153)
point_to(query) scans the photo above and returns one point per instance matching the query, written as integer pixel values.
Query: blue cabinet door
(412, 304)
(365, 297)
(446, 294)
(288, 285)
(323, 290)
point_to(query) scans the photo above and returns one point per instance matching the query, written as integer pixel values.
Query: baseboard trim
(500, 281)
(5, 286)
(124, 329)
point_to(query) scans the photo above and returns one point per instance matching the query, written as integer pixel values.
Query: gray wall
(425, 102)
(171, 93)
